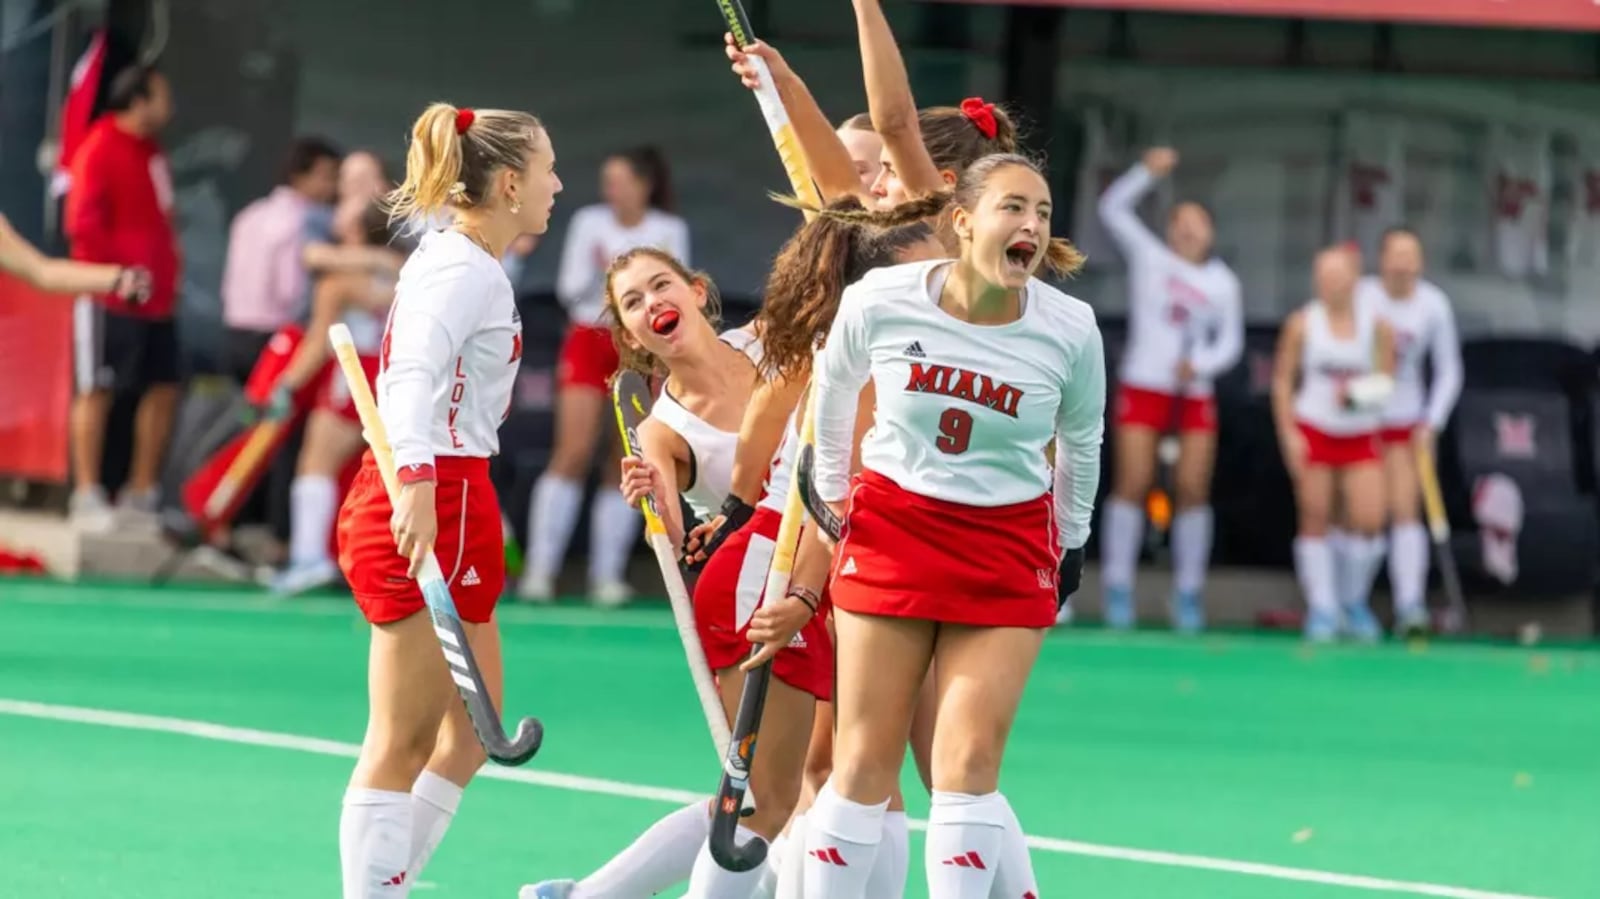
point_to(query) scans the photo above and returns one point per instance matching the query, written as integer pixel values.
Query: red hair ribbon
(464, 120)
(981, 115)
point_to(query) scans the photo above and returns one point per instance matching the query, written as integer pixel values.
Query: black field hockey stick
(804, 469)
(435, 590)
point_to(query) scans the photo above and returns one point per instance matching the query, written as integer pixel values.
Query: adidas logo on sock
(849, 566)
(970, 860)
(471, 579)
(915, 350)
(397, 880)
(829, 856)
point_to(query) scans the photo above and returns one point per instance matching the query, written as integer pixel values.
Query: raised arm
(1119, 203)
(1080, 428)
(831, 166)
(889, 102)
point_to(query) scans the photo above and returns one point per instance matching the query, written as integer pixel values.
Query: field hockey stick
(1455, 617)
(804, 469)
(250, 455)
(435, 591)
(630, 395)
(783, 137)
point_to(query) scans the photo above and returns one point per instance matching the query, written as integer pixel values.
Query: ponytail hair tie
(464, 120)
(981, 115)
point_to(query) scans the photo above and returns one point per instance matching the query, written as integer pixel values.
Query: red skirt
(1155, 410)
(1338, 451)
(910, 556)
(728, 593)
(470, 546)
(588, 358)
(1393, 435)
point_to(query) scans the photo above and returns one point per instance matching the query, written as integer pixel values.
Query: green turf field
(185, 744)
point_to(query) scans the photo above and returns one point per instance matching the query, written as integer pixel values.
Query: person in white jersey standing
(1185, 328)
(361, 300)
(447, 363)
(1424, 327)
(1331, 379)
(957, 549)
(637, 212)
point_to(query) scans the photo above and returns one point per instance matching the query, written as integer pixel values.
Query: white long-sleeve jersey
(964, 411)
(450, 354)
(1176, 309)
(1423, 326)
(594, 238)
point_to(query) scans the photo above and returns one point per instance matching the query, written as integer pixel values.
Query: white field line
(250, 737)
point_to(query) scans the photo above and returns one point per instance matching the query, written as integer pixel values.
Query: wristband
(806, 596)
(414, 473)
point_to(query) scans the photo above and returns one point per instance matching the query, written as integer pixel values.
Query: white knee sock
(888, 878)
(841, 844)
(767, 888)
(1191, 548)
(613, 531)
(792, 866)
(662, 856)
(434, 801)
(1313, 566)
(1364, 556)
(313, 505)
(1122, 528)
(965, 833)
(375, 843)
(552, 514)
(1408, 566)
(1013, 876)
(710, 881)
(1340, 549)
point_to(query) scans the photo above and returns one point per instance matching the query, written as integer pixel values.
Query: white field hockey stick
(435, 591)
(631, 398)
(723, 845)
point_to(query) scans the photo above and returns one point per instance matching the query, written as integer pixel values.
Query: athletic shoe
(535, 587)
(1321, 628)
(303, 577)
(1119, 608)
(549, 889)
(1411, 624)
(90, 512)
(1064, 614)
(1361, 625)
(1188, 613)
(610, 595)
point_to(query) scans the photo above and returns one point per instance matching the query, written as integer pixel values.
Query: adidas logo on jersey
(915, 350)
(471, 579)
(849, 566)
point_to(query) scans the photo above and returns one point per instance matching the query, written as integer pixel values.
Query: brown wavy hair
(631, 356)
(827, 254)
(1061, 259)
(446, 168)
(954, 141)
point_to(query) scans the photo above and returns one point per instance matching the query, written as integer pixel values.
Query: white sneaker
(90, 512)
(304, 577)
(139, 511)
(610, 594)
(536, 587)
(1064, 616)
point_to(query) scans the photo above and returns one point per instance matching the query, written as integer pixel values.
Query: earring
(516, 207)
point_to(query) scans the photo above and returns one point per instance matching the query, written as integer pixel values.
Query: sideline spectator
(119, 212)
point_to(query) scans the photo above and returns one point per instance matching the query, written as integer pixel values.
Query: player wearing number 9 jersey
(954, 532)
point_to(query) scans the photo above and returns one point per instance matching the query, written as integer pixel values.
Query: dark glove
(133, 285)
(1069, 576)
(734, 515)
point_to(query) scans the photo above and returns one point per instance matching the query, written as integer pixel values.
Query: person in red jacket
(119, 212)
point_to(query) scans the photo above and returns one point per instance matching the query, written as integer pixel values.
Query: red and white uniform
(594, 238)
(954, 517)
(448, 361)
(366, 330)
(729, 589)
(1176, 310)
(1337, 433)
(1423, 326)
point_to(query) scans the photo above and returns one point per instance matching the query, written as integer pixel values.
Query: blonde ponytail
(454, 154)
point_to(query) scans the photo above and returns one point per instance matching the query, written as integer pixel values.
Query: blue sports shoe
(1188, 612)
(548, 889)
(1119, 608)
(1360, 624)
(1321, 627)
